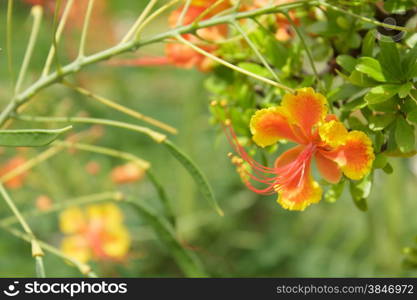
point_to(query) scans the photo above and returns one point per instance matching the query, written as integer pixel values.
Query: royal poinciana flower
(303, 118)
(96, 233)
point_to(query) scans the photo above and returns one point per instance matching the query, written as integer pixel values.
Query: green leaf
(410, 63)
(334, 193)
(347, 62)
(404, 136)
(255, 69)
(370, 67)
(405, 90)
(379, 122)
(388, 169)
(390, 61)
(185, 260)
(399, 6)
(30, 137)
(388, 106)
(360, 191)
(368, 44)
(361, 79)
(381, 93)
(380, 161)
(412, 116)
(196, 174)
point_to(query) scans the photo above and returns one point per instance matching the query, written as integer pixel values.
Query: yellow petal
(333, 133)
(76, 246)
(300, 198)
(72, 220)
(117, 242)
(269, 125)
(358, 154)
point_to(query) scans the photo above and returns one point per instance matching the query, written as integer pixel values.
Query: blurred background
(255, 238)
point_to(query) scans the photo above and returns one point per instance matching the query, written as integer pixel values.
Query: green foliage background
(254, 238)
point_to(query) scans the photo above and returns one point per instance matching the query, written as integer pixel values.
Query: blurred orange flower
(43, 203)
(127, 173)
(182, 55)
(17, 181)
(94, 233)
(92, 167)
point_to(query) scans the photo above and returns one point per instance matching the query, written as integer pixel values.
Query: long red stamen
(290, 175)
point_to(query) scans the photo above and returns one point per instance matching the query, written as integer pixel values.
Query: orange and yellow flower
(96, 233)
(303, 118)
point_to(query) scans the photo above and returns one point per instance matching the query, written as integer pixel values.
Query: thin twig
(82, 267)
(257, 52)
(121, 108)
(77, 65)
(156, 136)
(233, 67)
(86, 25)
(37, 18)
(308, 51)
(142, 16)
(9, 45)
(57, 37)
(61, 205)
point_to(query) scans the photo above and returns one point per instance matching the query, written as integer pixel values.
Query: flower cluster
(95, 233)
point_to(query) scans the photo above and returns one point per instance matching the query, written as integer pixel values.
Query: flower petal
(328, 168)
(72, 220)
(117, 242)
(77, 247)
(333, 133)
(355, 157)
(270, 125)
(301, 196)
(288, 156)
(305, 108)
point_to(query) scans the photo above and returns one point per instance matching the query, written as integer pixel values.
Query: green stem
(158, 12)
(255, 49)
(121, 108)
(365, 19)
(9, 44)
(138, 22)
(185, 260)
(307, 49)
(82, 267)
(86, 25)
(184, 11)
(196, 174)
(233, 67)
(40, 269)
(37, 18)
(36, 249)
(106, 151)
(30, 163)
(56, 38)
(156, 136)
(58, 206)
(132, 45)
